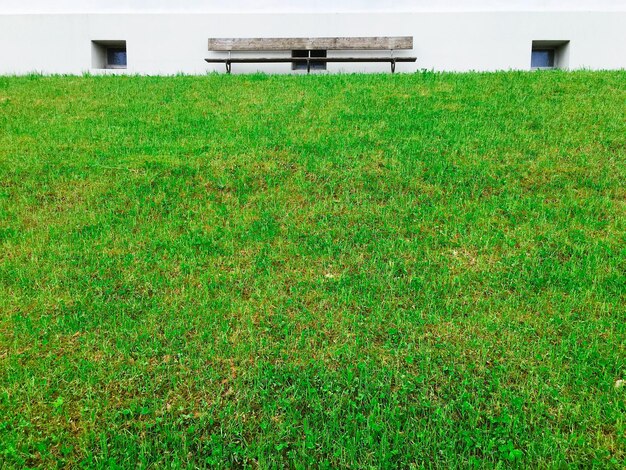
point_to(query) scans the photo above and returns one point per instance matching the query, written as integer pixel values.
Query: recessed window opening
(315, 64)
(109, 54)
(549, 54)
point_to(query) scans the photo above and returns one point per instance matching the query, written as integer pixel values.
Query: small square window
(116, 57)
(109, 54)
(315, 64)
(542, 59)
(549, 54)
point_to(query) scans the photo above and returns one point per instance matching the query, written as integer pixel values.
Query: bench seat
(379, 43)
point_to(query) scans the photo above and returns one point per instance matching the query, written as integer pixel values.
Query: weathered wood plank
(286, 44)
(277, 60)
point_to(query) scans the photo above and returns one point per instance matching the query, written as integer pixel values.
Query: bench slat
(336, 43)
(254, 60)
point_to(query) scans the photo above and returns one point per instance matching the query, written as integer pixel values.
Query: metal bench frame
(379, 43)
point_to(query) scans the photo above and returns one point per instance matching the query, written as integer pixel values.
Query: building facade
(152, 37)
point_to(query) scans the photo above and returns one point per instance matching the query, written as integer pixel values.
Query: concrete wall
(169, 43)
(301, 6)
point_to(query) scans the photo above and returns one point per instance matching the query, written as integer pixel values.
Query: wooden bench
(313, 49)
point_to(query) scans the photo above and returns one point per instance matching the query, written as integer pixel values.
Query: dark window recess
(315, 64)
(116, 57)
(542, 59)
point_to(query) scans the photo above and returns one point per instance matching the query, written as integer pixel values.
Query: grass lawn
(313, 271)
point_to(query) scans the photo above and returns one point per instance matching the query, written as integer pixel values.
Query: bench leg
(393, 66)
(229, 66)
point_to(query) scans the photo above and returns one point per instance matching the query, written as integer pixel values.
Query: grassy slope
(325, 270)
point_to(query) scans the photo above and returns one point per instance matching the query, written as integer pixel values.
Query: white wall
(168, 43)
(299, 6)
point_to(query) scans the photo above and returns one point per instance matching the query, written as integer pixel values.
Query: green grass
(325, 271)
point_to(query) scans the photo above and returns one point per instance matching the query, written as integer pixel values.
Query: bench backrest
(287, 44)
